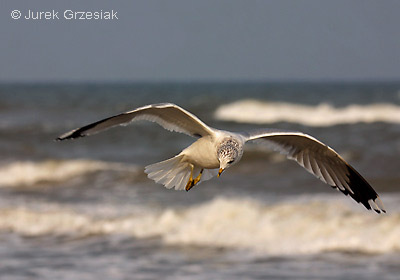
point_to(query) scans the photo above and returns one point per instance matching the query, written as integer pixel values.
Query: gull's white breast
(202, 153)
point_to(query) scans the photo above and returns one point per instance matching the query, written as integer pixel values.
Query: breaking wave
(27, 173)
(280, 229)
(253, 111)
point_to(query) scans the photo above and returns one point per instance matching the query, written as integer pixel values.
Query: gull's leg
(190, 183)
(198, 177)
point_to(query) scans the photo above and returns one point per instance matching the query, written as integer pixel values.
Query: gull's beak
(220, 171)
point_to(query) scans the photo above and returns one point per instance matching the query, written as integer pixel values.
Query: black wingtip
(69, 136)
(62, 138)
(363, 192)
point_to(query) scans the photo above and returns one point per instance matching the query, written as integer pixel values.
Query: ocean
(84, 209)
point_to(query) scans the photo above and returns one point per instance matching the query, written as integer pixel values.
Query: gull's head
(229, 152)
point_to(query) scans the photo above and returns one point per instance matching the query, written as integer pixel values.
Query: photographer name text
(66, 14)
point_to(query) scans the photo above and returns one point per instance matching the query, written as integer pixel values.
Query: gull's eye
(231, 161)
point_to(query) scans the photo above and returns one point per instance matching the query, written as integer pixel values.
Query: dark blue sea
(84, 209)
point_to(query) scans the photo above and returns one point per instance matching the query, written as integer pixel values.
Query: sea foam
(281, 229)
(253, 111)
(28, 173)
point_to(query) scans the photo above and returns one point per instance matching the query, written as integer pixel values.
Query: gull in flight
(215, 150)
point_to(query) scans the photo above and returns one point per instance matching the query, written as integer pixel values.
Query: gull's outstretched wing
(322, 161)
(169, 116)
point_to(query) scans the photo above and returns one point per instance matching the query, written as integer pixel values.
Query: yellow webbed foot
(198, 177)
(191, 183)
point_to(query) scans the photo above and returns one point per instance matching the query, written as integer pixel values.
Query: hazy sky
(202, 40)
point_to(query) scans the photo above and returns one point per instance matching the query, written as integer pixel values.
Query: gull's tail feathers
(171, 173)
(175, 172)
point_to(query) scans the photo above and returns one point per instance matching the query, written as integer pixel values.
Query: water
(84, 209)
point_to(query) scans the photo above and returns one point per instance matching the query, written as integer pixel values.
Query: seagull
(216, 150)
